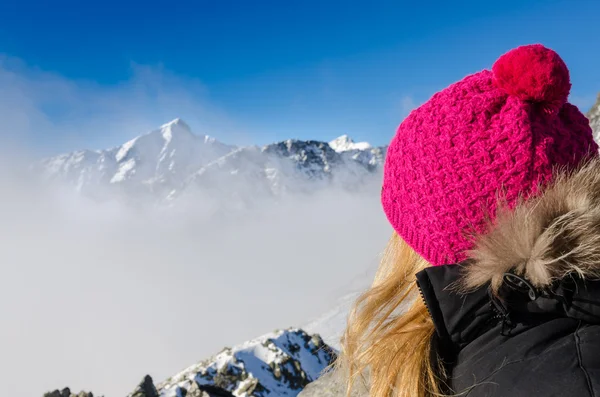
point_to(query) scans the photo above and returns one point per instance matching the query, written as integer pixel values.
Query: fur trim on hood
(545, 238)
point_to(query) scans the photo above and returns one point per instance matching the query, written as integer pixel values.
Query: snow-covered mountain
(171, 162)
(276, 364)
(151, 165)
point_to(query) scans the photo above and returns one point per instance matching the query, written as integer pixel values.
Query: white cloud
(41, 108)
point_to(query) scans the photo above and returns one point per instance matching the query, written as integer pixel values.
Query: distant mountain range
(171, 163)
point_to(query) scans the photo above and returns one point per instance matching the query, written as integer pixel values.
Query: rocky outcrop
(146, 388)
(197, 390)
(281, 363)
(66, 392)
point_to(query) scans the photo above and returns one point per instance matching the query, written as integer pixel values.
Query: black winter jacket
(521, 318)
(545, 347)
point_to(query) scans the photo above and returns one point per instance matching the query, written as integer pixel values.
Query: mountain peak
(179, 123)
(175, 127)
(344, 143)
(344, 138)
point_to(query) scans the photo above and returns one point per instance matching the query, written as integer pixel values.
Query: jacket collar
(459, 317)
(455, 315)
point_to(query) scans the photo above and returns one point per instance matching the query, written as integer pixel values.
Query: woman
(493, 190)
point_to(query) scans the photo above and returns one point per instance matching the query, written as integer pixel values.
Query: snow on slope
(276, 364)
(331, 324)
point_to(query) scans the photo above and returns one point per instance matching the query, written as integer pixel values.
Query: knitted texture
(492, 136)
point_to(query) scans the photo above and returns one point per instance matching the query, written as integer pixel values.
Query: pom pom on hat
(533, 73)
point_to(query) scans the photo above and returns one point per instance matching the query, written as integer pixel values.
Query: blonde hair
(389, 330)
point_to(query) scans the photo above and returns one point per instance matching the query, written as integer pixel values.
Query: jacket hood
(545, 238)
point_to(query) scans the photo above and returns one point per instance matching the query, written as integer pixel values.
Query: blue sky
(262, 71)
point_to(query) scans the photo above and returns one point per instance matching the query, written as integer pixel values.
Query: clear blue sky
(305, 69)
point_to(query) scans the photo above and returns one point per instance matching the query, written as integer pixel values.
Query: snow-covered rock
(277, 364)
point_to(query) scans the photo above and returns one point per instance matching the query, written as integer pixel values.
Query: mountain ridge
(170, 162)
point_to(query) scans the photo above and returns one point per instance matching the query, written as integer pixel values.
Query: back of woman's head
(492, 139)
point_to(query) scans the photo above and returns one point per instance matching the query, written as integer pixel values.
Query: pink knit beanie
(494, 133)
